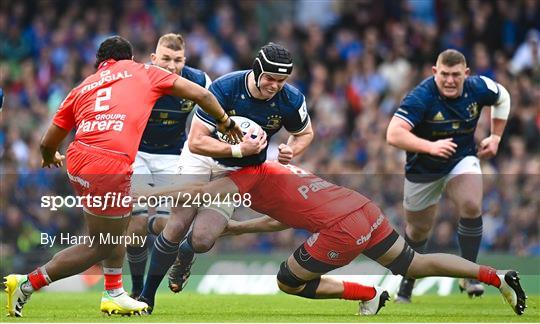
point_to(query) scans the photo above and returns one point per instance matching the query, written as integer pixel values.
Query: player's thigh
(464, 186)
(393, 253)
(209, 223)
(417, 196)
(102, 227)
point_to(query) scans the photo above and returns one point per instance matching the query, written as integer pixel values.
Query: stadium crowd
(354, 60)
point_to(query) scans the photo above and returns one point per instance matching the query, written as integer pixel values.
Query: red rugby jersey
(111, 107)
(295, 197)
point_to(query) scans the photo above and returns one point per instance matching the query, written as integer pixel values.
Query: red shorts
(345, 240)
(102, 177)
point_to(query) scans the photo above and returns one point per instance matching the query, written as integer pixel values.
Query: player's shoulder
(421, 95)
(426, 89)
(193, 74)
(481, 84)
(232, 78)
(290, 94)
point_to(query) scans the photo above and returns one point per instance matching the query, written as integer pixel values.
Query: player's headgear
(114, 47)
(272, 58)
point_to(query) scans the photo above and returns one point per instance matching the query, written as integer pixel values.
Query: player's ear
(434, 69)
(153, 58)
(467, 72)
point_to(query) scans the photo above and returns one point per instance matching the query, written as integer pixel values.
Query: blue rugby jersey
(435, 117)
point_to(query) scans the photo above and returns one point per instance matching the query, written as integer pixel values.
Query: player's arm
(205, 99)
(49, 146)
(296, 145)
(200, 141)
(184, 192)
(499, 115)
(256, 225)
(399, 134)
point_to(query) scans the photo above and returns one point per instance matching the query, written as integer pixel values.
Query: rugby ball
(245, 125)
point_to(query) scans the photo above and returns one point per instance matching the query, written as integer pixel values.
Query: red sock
(37, 279)
(113, 279)
(356, 291)
(488, 275)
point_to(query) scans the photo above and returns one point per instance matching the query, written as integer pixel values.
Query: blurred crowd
(354, 61)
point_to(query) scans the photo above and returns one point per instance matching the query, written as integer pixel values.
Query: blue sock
(470, 237)
(137, 256)
(163, 256)
(185, 250)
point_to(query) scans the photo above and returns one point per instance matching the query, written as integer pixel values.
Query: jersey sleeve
(298, 118)
(411, 109)
(248, 178)
(161, 79)
(65, 115)
(206, 118)
(489, 90)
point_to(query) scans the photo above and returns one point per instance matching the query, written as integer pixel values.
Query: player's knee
(400, 265)
(202, 242)
(419, 231)
(288, 290)
(470, 208)
(289, 283)
(137, 226)
(176, 227)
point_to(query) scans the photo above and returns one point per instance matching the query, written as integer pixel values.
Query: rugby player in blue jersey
(262, 95)
(159, 151)
(435, 123)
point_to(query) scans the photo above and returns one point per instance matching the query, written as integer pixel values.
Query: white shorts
(204, 168)
(420, 195)
(157, 170)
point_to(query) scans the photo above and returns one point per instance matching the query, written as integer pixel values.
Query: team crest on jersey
(186, 106)
(274, 122)
(473, 110)
(332, 255)
(438, 117)
(312, 239)
(455, 125)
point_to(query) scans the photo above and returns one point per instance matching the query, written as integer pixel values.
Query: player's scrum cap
(272, 58)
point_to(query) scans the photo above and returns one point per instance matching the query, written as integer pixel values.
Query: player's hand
(57, 161)
(285, 154)
(444, 148)
(251, 146)
(230, 130)
(489, 147)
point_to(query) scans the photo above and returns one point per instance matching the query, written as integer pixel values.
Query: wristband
(236, 151)
(223, 118)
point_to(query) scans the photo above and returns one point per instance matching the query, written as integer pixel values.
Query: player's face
(272, 84)
(450, 79)
(169, 59)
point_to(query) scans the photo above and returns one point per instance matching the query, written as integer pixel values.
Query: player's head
(450, 72)
(114, 47)
(271, 68)
(170, 53)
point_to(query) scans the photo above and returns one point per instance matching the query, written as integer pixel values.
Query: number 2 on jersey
(103, 95)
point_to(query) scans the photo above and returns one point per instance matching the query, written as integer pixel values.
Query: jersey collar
(106, 63)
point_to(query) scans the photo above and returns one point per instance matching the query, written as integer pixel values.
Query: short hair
(172, 41)
(114, 47)
(451, 57)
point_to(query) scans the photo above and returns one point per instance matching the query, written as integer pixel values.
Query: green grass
(191, 307)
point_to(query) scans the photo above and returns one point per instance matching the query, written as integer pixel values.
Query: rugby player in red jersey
(109, 110)
(344, 224)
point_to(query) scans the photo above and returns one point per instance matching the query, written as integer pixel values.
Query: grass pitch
(191, 307)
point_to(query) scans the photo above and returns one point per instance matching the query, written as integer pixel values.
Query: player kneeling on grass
(345, 224)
